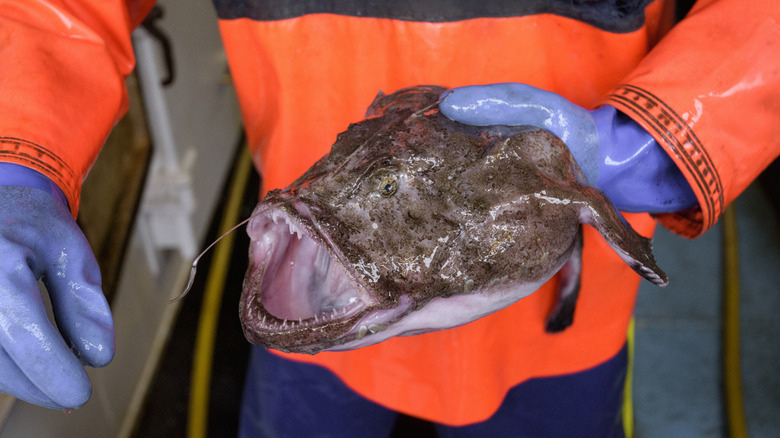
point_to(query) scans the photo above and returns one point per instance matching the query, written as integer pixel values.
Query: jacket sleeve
(709, 92)
(62, 85)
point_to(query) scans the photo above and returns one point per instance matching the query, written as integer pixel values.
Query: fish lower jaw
(267, 322)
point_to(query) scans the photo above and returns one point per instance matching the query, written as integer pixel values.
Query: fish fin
(635, 250)
(598, 211)
(562, 314)
(411, 99)
(376, 107)
(559, 167)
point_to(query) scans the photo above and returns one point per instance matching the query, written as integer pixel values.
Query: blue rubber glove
(612, 150)
(39, 239)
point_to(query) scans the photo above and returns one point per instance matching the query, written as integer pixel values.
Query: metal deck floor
(677, 378)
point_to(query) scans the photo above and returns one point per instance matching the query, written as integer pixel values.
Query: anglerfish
(415, 223)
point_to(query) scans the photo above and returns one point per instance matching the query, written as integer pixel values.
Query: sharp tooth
(263, 323)
(300, 321)
(315, 318)
(374, 328)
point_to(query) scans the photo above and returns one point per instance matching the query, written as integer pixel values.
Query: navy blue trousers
(283, 398)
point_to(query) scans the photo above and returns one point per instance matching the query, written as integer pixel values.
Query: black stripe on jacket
(617, 16)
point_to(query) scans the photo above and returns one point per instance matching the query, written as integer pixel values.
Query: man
(685, 117)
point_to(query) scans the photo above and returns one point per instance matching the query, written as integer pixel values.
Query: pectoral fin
(562, 314)
(635, 250)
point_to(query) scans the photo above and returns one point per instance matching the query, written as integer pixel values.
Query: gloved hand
(39, 239)
(612, 150)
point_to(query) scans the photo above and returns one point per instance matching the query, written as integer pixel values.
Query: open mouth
(302, 283)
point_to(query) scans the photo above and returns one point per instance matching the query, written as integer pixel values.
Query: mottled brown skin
(423, 207)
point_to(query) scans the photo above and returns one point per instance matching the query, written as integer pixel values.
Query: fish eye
(388, 186)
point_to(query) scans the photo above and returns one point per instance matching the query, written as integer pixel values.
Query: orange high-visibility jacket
(708, 90)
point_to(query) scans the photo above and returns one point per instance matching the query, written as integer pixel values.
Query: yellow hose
(628, 392)
(732, 373)
(197, 421)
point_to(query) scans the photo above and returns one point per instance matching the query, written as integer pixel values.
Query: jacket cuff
(679, 140)
(34, 157)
